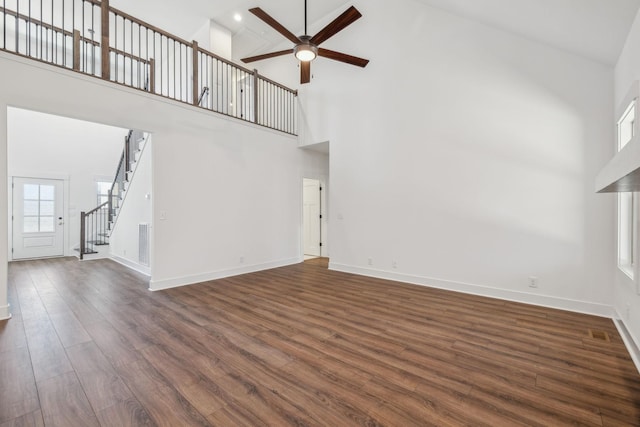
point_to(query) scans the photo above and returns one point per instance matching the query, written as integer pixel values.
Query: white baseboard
(158, 285)
(132, 265)
(5, 312)
(632, 345)
(585, 307)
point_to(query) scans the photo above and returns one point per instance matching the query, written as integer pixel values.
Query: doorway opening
(37, 218)
(312, 218)
(54, 164)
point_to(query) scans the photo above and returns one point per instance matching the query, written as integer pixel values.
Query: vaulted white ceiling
(595, 29)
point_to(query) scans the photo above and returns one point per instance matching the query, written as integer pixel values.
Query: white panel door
(311, 216)
(38, 224)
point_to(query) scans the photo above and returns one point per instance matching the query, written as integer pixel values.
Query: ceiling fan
(306, 48)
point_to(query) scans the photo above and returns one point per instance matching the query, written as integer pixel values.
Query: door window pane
(38, 208)
(626, 232)
(31, 207)
(47, 208)
(626, 201)
(30, 224)
(47, 192)
(46, 224)
(31, 192)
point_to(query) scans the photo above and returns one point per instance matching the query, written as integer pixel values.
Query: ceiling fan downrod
(305, 18)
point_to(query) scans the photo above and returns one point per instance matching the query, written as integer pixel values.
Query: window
(102, 191)
(626, 125)
(626, 232)
(626, 201)
(39, 208)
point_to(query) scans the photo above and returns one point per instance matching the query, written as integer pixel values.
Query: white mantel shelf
(622, 173)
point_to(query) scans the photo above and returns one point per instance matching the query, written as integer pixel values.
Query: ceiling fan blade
(305, 72)
(274, 24)
(267, 56)
(341, 22)
(342, 57)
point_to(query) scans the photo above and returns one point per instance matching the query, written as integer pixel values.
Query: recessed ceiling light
(237, 17)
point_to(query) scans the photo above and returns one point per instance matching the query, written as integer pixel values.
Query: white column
(4, 218)
(215, 38)
(220, 39)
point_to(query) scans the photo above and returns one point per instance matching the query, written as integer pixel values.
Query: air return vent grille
(143, 244)
(599, 335)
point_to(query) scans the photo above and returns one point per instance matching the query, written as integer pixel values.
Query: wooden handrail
(130, 56)
(226, 61)
(97, 225)
(92, 211)
(246, 70)
(193, 65)
(147, 25)
(283, 87)
(38, 22)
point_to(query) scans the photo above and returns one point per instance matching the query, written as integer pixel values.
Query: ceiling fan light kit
(305, 51)
(306, 48)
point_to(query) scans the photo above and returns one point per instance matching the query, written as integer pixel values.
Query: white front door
(38, 223)
(311, 216)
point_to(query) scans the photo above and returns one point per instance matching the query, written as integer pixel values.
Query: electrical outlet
(370, 261)
(533, 282)
(394, 264)
(242, 260)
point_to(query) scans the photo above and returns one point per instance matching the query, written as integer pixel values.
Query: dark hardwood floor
(89, 345)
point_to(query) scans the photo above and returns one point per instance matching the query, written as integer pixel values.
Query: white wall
(230, 199)
(466, 155)
(627, 71)
(227, 189)
(135, 209)
(215, 38)
(48, 146)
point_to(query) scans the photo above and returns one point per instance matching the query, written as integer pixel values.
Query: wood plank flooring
(89, 345)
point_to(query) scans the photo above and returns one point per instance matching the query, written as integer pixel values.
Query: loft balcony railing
(90, 37)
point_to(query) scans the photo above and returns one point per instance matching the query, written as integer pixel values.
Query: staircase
(96, 225)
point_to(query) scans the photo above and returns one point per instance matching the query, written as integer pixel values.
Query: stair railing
(124, 166)
(114, 192)
(94, 226)
(91, 37)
